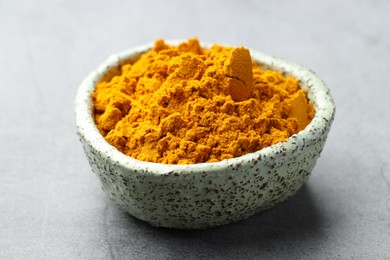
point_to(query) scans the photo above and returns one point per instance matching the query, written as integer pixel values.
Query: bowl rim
(316, 89)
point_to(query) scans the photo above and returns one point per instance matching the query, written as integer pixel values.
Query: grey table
(51, 205)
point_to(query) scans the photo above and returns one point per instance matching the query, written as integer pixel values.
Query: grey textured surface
(52, 206)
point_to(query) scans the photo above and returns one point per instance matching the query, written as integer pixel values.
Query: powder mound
(185, 104)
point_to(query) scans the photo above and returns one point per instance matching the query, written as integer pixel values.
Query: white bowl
(206, 194)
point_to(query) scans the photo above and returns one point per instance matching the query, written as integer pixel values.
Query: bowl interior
(316, 89)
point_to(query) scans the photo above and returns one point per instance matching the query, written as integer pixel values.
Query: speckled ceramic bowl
(207, 194)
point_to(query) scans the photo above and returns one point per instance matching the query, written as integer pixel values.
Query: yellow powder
(185, 104)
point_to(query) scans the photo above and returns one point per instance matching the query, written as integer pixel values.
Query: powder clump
(186, 104)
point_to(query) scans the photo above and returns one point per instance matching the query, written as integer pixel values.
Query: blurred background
(51, 205)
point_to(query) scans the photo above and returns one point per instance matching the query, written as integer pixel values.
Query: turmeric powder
(186, 104)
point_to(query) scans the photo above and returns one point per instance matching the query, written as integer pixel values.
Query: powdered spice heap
(185, 104)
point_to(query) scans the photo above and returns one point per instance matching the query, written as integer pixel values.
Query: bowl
(204, 195)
